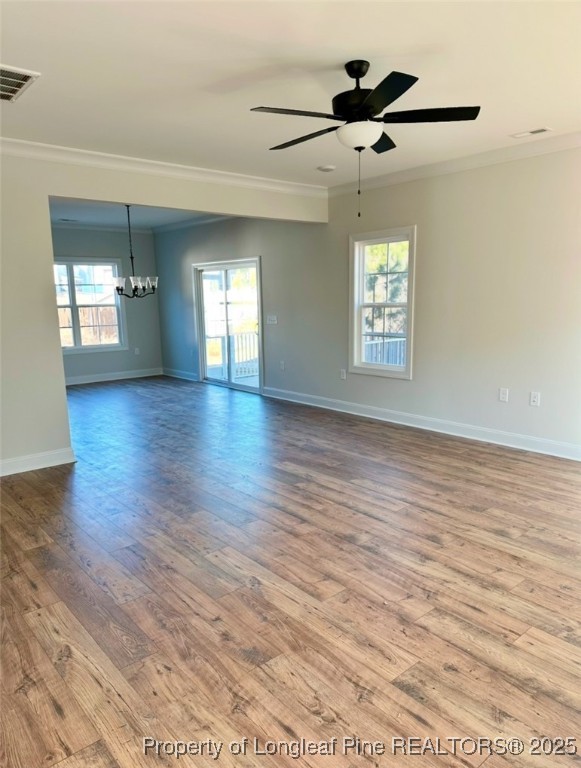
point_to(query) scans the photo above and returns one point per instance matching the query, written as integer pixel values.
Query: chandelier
(140, 286)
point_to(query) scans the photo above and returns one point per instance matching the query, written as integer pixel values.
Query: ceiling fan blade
(304, 113)
(383, 144)
(390, 89)
(305, 138)
(436, 115)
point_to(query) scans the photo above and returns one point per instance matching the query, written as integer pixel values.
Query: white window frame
(69, 263)
(357, 304)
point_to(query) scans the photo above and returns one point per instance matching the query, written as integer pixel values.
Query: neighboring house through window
(88, 306)
(382, 289)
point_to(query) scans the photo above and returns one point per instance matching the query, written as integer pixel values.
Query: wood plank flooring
(219, 566)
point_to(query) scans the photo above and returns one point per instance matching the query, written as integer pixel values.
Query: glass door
(215, 324)
(231, 328)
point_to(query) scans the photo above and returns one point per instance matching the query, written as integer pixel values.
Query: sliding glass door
(229, 317)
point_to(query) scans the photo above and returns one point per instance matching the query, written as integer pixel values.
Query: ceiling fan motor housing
(349, 105)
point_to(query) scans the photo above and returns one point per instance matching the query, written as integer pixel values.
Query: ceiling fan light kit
(360, 134)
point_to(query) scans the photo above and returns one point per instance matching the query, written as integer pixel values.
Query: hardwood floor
(219, 566)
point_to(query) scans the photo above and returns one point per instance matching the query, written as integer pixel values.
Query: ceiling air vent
(13, 81)
(534, 132)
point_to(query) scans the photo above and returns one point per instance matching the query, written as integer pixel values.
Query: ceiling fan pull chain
(359, 150)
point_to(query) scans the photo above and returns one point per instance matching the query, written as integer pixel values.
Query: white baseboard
(93, 378)
(509, 439)
(175, 374)
(36, 461)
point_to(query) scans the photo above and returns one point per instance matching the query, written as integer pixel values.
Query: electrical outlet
(282, 365)
(343, 373)
(137, 351)
(535, 399)
(503, 394)
(271, 320)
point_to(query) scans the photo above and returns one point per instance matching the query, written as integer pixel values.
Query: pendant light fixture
(140, 286)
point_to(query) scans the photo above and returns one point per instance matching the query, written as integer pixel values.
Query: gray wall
(530, 207)
(33, 409)
(291, 257)
(497, 301)
(142, 318)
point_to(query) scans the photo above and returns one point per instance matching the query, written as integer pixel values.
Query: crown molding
(52, 153)
(532, 148)
(56, 154)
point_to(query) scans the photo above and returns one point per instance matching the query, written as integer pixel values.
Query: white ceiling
(175, 81)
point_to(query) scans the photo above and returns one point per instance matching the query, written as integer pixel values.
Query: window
(88, 305)
(382, 289)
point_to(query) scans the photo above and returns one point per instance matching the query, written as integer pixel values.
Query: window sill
(386, 371)
(93, 349)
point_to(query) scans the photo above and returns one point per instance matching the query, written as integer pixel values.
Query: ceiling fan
(360, 111)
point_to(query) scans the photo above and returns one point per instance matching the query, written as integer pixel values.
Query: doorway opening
(228, 301)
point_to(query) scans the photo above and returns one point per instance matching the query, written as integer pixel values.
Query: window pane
(385, 272)
(67, 337)
(98, 325)
(107, 316)
(383, 350)
(65, 317)
(396, 320)
(89, 335)
(398, 287)
(94, 283)
(66, 327)
(399, 256)
(86, 316)
(384, 320)
(214, 288)
(375, 288)
(109, 334)
(61, 282)
(373, 320)
(99, 335)
(375, 258)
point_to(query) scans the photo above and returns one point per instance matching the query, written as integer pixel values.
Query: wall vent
(13, 81)
(534, 132)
